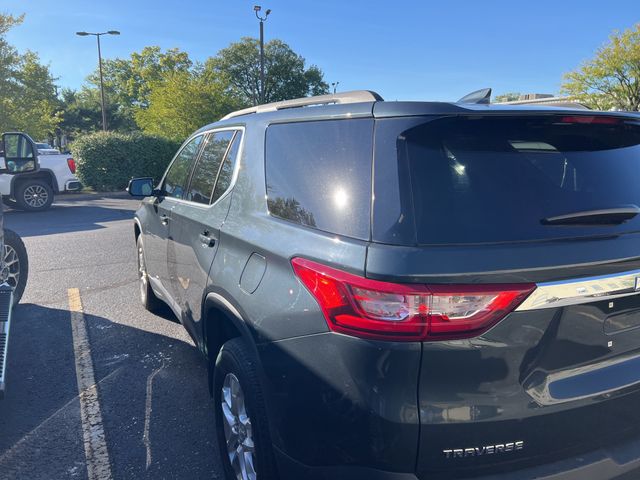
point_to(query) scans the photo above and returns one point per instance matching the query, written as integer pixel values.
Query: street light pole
(104, 107)
(256, 9)
(103, 103)
(335, 86)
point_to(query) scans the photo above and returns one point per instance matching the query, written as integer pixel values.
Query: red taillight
(591, 119)
(406, 312)
(72, 165)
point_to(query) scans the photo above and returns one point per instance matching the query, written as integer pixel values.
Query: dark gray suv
(408, 290)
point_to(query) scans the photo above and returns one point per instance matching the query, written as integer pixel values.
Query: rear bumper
(73, 186)
(290, 469)
(345, 408)
(621, 462)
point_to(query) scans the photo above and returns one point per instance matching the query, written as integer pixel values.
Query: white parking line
(95, 447)
(147, 415)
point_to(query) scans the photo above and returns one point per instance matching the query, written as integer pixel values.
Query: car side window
(204, 175)
(319, 174)
(176, 178)
(226, 170)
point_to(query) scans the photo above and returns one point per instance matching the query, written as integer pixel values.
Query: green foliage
(286, 76)
(82, 113)
(184, 102)
(611, 80)
(28, 99)
(108, 160)
(128, 82)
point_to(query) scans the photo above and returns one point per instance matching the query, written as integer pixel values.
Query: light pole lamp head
(82, 34)
(113, 32)
(266, 14)
(257, 8)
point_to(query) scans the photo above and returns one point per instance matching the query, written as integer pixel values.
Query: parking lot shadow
(70, 216)
(156, 410)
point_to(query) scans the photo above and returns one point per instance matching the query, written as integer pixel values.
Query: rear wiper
(605, 216)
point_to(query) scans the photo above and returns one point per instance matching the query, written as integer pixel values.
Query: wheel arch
(137, 228)
(222, 321)
(43, 174)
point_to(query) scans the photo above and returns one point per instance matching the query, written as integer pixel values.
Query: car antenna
(480, 97)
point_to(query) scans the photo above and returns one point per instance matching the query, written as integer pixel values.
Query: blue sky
(406, 50)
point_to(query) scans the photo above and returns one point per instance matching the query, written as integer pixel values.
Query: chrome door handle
(164, 219)
(206, 240)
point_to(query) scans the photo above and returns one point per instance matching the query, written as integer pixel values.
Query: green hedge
(106, 161)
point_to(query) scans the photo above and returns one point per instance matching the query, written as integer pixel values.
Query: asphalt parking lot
(151, 398)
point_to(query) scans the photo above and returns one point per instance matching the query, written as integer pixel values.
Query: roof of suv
(360, 103)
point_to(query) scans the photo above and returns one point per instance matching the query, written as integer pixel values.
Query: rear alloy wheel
(237, 429)
(147, 297)
(34, 195)
(241, 420)
(15, 264)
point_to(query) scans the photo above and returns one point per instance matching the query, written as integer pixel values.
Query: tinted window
(176, 177)
(204, 175)
(319, 174)
(226, 171)
(496, 179)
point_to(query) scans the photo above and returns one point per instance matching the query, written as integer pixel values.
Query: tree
(506, 97)
(82, 113)
(28, 99)
(128, 82)
(183, 102)
(286, 76)
(611, 80)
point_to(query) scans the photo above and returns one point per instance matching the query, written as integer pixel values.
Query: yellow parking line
(95, 446)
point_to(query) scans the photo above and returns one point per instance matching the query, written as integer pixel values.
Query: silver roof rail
(354, 96)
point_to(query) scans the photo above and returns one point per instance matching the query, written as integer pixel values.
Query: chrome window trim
(236, 167)
(582, 290)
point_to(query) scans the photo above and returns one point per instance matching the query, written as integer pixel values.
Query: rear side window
(319, 174)
(226, 170)
(176, 178)
(499, 179)
(206, 171)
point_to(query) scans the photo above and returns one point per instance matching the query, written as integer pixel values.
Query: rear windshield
(496, 179)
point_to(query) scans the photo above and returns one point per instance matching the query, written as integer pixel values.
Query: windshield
(494, 179)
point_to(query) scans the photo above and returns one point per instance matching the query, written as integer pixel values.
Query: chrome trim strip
(582, 290)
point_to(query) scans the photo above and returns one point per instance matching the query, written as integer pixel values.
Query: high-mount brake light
(406, 312)
(591, 119)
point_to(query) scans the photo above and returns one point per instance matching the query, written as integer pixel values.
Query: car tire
(236, 369)
(147, 297)
(34, 195)
(15, 264)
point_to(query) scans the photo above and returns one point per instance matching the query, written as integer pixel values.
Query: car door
(196, 222)
(159, 210)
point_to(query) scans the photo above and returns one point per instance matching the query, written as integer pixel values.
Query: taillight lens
(406, 312)
(72, 165)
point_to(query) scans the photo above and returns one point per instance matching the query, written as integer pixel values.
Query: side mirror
(19, 152)
(141, 187)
